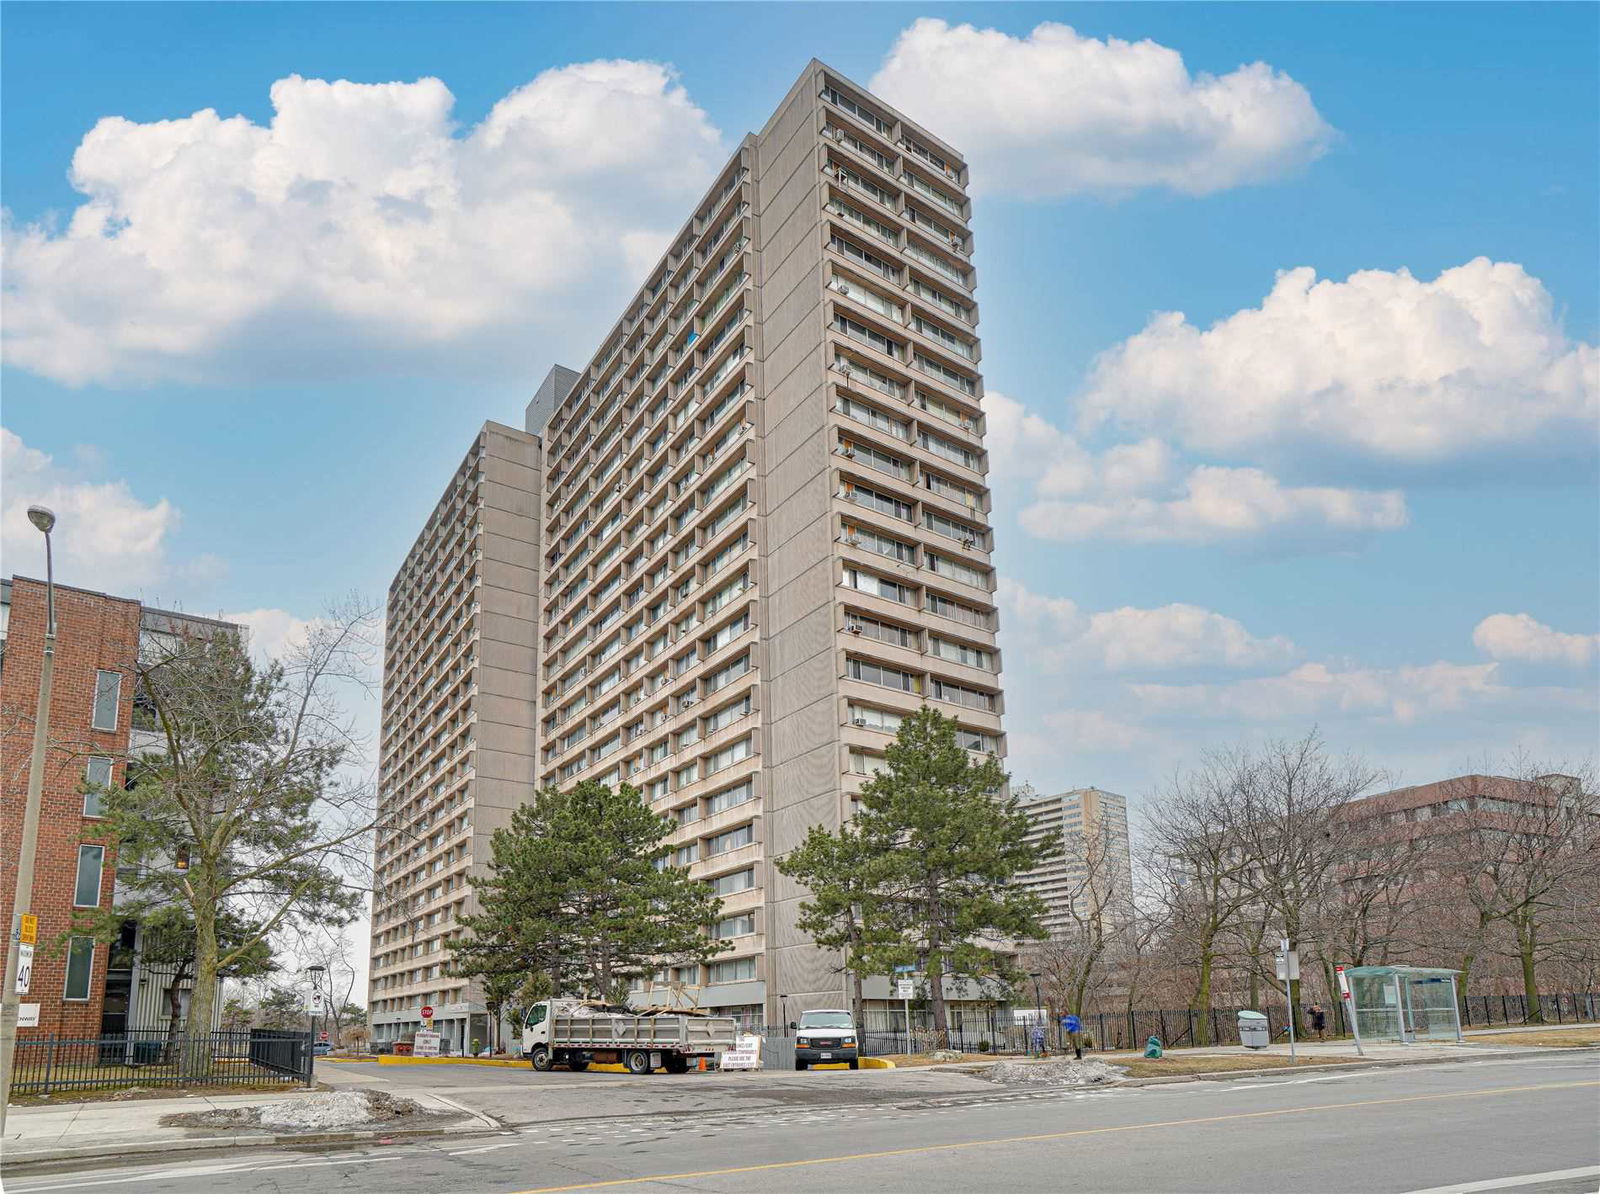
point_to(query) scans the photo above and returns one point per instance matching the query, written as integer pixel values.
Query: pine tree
(948, 843)
(580, 900)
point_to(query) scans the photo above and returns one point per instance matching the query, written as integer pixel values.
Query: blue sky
(1392, 530)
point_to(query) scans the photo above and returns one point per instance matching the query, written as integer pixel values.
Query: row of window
(887, 676)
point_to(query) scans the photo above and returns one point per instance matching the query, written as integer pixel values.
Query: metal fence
(884, 1031)
(250, 1058)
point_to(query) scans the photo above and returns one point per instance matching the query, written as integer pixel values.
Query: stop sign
(427, 1012)
(322, 1036)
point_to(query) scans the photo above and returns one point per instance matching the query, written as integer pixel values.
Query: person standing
(1319, 1021)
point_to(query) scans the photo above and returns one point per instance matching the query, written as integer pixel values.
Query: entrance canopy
(1403, 1003)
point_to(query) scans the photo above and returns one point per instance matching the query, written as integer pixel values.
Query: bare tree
(1201, 870)
(248, 806)
(1098, 905)
(1518, 848)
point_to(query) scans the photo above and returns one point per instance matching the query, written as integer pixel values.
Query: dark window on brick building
(107, 693)
(80, 968)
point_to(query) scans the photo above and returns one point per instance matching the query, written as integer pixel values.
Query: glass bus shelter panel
(1376, 1003)
(1430, 1007)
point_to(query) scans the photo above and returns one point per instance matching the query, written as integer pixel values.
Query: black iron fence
(255, 1057)
(885, 1029)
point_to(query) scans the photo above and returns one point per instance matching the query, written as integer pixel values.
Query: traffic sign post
(1349, 1007)
(1289, 972)
(427, 1014)
(905, 988)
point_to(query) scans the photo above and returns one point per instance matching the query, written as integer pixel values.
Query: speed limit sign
(24, 967)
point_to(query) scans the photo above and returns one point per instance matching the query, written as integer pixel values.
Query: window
(882, 675)
(947, 488)
(942, 300)
(877, 586)
(725, 885)
(894, 549)
(734, 926)
(860, 331)
(732, 840)
(860, 111)
(964, 654)
(727, 715)
(96, 778)
(872, 417)
(945, 450)
(722, 677)
(727, 634)
(91, 861)
(976, 577)
(974, 740)
(869, 299)
(884, 632)
(968, 536)
(734, 971)
(863, 763)
(80, 968)
(956, 694)
(881, 502)
(726, 594)
(865, 375)
(107, 693)
(872, 224)
(875, 458)
(958, 611)
(728, 756)
(731, 798)
(875, 719)
(943, 335)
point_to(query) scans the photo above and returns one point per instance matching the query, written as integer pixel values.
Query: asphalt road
(1530, 1125)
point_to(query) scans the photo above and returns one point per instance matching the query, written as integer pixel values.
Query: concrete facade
(458, 747)
(763, 538)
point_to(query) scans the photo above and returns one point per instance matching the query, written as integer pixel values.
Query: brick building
(80, 987)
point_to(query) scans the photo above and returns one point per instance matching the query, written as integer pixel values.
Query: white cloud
(1382, 365)
(1057, 636)
(1056, 113)
(1216, 505)
(357, 227)
(274, 632)
(1090, 731)
(1520, 638)
(105, 538)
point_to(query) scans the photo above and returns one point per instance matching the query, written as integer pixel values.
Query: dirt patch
(320, 1112)
(1157, 1067)
(122, 1094)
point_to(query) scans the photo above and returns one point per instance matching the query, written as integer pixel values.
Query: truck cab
(825, 1036)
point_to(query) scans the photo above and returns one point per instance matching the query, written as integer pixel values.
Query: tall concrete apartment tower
(457, 750)
(1086, 864)
(764, 524)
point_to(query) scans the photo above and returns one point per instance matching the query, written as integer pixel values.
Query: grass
(1568, 1037)
(1212, 1063)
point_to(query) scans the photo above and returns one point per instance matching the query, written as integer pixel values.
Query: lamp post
(45, 521)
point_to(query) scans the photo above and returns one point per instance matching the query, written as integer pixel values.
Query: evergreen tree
(580, 900)
(947, 843)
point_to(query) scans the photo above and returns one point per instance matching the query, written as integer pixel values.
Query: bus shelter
(1403, 1003)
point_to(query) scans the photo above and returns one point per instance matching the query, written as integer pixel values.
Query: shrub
(983, 1046)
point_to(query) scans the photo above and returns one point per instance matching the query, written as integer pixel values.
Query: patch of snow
(1065, 1072)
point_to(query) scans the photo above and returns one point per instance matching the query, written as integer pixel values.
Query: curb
(391, 1059)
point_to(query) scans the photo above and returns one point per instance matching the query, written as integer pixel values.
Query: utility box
(1253, 1030)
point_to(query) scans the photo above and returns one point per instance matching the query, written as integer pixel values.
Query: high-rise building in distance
(762, 537)
(1085, 869)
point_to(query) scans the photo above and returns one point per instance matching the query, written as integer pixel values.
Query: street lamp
(45, 520)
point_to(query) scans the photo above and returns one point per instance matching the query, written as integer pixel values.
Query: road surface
(1530, 1125)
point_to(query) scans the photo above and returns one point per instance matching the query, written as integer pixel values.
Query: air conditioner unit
(838, 134)
(969, 543)
(854, 628)
(860, 721)
(849, 454)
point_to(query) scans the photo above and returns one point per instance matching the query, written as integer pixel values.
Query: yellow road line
(1034, 1139)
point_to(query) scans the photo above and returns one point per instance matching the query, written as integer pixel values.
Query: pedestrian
(1319, 1021)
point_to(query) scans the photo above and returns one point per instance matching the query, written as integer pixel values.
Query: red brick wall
(94, 632)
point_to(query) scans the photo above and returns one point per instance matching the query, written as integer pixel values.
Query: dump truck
(574, 1033)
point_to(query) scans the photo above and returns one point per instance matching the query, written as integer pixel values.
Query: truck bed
(685, 1034)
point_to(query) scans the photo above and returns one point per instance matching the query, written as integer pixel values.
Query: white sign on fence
(745, 1054)
(425, 1044)
(24, 967)
(27, 1015)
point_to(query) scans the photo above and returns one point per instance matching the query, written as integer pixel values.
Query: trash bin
(1253, 1030)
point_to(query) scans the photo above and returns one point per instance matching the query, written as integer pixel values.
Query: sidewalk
(114, 1129)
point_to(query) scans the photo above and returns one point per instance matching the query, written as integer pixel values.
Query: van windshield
(826, 1020)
